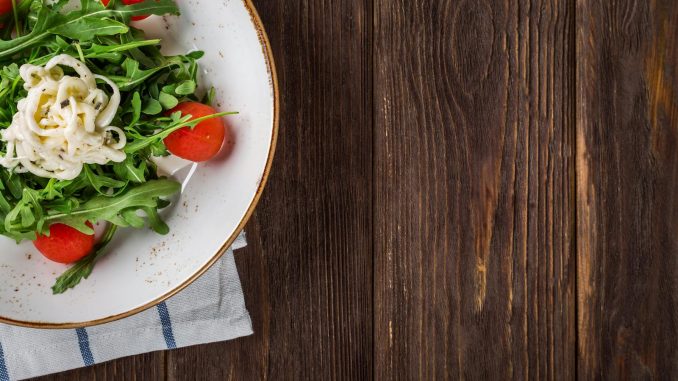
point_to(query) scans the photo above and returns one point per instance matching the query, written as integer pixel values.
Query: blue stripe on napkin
(83, 340)
(166, 325)
(4, 376)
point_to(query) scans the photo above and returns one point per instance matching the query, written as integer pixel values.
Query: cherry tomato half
(201, 143)
(5, 6)
(127, 2)
(65, 244)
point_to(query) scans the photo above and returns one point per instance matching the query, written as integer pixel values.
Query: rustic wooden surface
(464, 189)
(474, 268)
(627, 184)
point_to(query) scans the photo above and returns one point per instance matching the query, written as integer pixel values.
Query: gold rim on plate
(270, 66)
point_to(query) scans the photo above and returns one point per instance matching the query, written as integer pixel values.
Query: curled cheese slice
(63, 123)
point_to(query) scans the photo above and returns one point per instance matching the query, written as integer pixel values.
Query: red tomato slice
(65, 244)
(201, 143)
(5, 6)
(127, 2)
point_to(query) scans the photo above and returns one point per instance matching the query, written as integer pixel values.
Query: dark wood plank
(627, 183)
(307, 273)
(474, 261)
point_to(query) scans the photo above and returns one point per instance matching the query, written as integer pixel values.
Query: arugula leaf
(136, 109)
(104, 185)
(168, 101)
(63, 205)
(132, 218)
(93, 19)
(195, 55)
(156, 223)
(127, 170)
(153, 107)
(5, 207)
(14, 184)
(186, 88)
(99, 51)
(210, 96)
(134, 76)
(102, 208)
(26, 212)
(86, 28)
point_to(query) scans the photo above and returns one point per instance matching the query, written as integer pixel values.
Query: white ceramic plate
(143, 268)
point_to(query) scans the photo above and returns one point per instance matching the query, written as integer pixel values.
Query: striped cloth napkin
(211, 309)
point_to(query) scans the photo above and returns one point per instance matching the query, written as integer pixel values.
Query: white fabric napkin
(211, 309)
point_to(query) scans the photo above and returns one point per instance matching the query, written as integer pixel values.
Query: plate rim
(273, 78)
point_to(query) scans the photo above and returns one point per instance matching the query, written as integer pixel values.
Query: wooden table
(467, 189)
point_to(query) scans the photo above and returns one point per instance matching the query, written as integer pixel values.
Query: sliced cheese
(63, 123)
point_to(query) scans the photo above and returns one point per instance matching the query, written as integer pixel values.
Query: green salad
(87, 103)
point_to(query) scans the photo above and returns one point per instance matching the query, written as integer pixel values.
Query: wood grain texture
(307, 273)
(474, 267)
(464, 189)
(627, 183)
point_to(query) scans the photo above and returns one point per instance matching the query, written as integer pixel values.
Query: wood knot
(472, 42)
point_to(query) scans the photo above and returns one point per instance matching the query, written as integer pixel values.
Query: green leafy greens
(127, 194)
